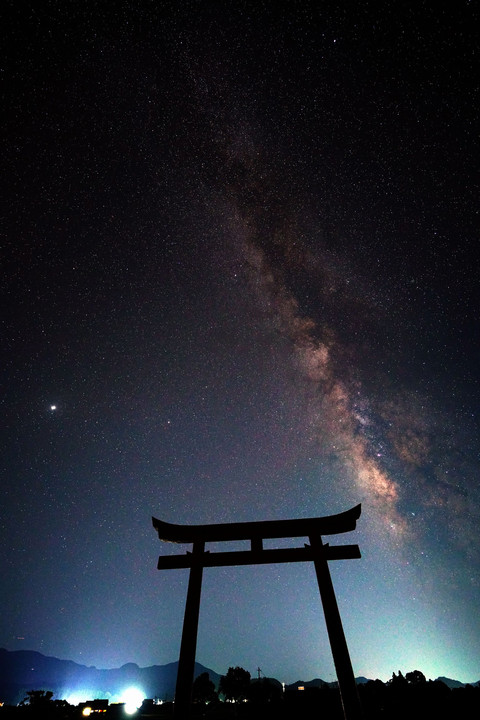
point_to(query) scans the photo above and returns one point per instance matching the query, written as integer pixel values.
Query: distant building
(93, 706)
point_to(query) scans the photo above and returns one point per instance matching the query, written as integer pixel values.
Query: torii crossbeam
(316, 552)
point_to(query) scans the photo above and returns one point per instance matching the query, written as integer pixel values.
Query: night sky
(240, 282)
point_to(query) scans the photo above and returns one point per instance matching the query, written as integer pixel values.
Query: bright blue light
(133, 698)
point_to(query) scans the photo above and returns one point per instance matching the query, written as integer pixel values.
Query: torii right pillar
(352, 709)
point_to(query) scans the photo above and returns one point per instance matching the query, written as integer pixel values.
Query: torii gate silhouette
(316, 552)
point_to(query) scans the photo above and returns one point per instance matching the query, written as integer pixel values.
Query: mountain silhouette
(454, 683)
(23, 670)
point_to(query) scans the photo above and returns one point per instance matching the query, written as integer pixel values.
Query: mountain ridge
(24, 670)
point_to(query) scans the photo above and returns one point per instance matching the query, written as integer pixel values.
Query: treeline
(239, 697)
(409, 696)
(413, 697)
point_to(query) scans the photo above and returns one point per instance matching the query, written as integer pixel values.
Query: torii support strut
(316, 552)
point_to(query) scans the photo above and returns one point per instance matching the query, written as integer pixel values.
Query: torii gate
(316, 552)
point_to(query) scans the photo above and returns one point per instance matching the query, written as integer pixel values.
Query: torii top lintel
(301, 527)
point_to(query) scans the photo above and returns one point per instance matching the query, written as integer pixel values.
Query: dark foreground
(395, 701)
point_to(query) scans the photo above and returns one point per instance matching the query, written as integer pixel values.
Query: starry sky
(239, 282)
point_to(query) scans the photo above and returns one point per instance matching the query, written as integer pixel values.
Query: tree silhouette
(235, 684)
(263, 691)
(415, 678)
(38, 698)
(203, 690)
(397, 681)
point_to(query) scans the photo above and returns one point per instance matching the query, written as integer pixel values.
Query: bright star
(53, 407)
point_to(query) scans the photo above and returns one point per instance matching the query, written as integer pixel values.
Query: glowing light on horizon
(79, 696)
(133, 698)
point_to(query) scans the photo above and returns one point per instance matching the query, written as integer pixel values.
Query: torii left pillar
(186, 662)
